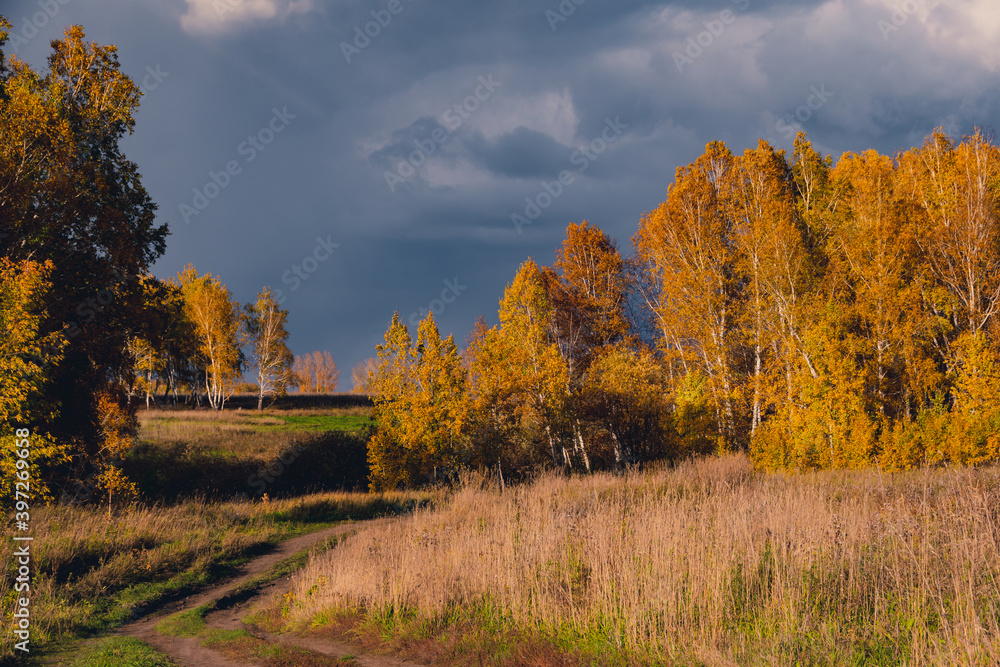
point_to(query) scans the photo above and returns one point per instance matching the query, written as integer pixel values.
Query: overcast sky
(366, 156)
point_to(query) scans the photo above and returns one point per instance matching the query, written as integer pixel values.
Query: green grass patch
(122, 652)
(268, 423)
(318, 423)
(190, 623)
(198, 423)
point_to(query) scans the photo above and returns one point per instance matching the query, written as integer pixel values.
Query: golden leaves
(420, 407)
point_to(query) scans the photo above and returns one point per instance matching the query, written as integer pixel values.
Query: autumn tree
(814, 191)
(955, 191)
(70, 196)
(316, 372)
(151, 343)
(776, 266)
(587, 289)
(687, 242)
(173, 336)
(519, 378)
(217, 318)
(822, 315)
(626, 391)
(264, 323)
(27, 358)
(874, 241)
(145, 359)
(361, 375)
(420, 408)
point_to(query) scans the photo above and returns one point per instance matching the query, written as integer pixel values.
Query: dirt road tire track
(189, 652)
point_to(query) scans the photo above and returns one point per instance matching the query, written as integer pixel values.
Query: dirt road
(189, 652)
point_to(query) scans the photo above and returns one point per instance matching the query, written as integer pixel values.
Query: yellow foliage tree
(420, 408)
(216, 317)
(316, 372)
(519, 372)
(625, 392)
(26, 361)
(69, 195)
(688, 242)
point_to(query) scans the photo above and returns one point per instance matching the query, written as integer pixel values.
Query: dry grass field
(708, 563)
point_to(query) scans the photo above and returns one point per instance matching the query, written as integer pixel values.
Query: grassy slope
(709, 563)
(225, 455)
(93, 572)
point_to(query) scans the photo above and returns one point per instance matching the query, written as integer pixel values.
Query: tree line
(203, 342)
(814, 314)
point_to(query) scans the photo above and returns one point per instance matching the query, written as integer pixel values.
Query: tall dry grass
(708, 563)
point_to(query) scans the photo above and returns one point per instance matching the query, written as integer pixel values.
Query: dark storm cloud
(521, 153)
(405, 141)
(852, 73)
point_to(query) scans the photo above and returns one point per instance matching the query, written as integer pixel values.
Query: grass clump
(190, 623)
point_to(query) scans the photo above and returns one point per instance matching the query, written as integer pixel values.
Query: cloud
(217, 16)
(522, 153)
(879, 87)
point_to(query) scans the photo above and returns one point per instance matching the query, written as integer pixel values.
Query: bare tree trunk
(618, 449)
(578, 439)
(149, 384)
(552, 445)
(170, 380)
(755, 421)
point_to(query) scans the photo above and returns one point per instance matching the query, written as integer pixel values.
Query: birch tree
(216, 317)
(265, 329)
(420, 407)
(688, 242)
(316, 372)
